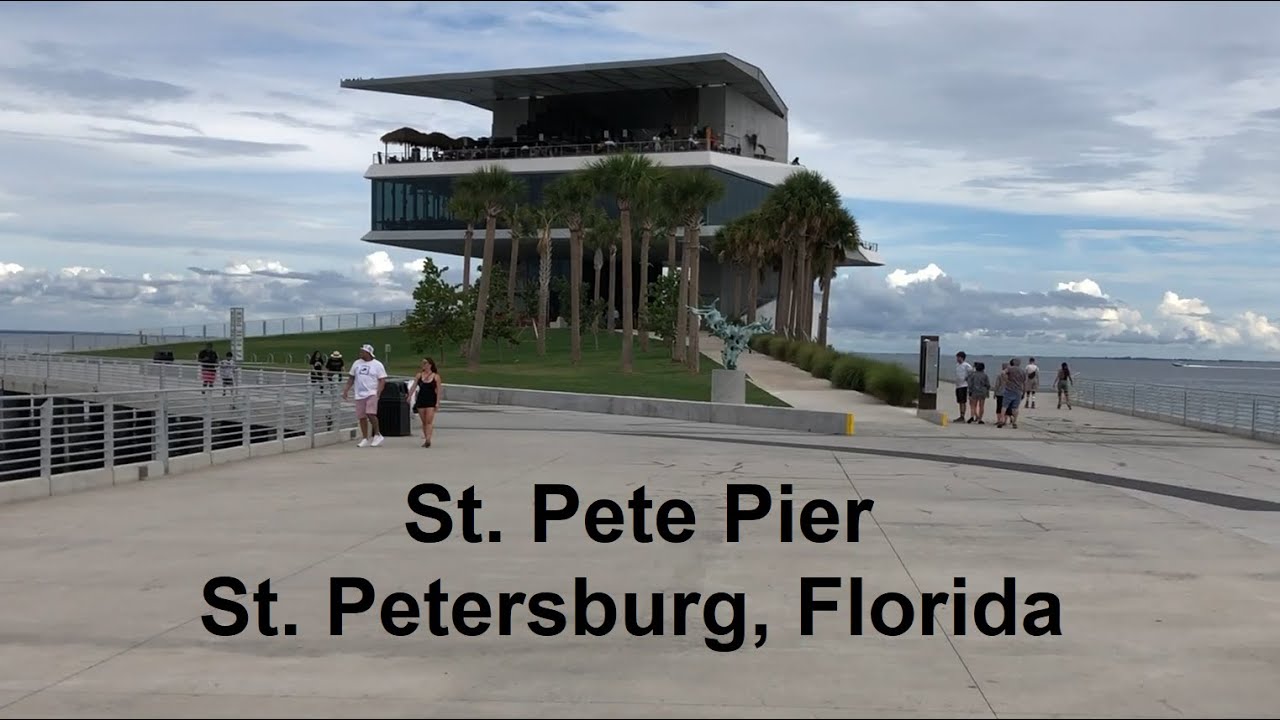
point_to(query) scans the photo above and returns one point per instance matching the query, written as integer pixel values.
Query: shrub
(793, 351)
(778, 347)
(892, 383)
(853, 376)
(824, 361)
(805, 355)
(760, 343)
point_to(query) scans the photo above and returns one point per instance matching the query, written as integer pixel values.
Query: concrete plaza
(1161, 543)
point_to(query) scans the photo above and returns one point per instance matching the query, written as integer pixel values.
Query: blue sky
(1048, 178)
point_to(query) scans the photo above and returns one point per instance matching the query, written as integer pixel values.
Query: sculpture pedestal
(729, 386)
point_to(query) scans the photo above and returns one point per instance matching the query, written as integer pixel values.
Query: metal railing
(1234, 413)
(135, 373)
(46, 435)
(275, 326)
(728, 144)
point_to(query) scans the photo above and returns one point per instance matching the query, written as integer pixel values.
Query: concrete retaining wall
(760, 416)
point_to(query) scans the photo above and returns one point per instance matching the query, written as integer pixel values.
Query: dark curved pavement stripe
(1205, 497)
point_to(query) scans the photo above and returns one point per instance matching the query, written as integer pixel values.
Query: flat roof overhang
(485, 89)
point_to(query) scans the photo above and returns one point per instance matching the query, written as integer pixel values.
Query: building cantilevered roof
(484, 89)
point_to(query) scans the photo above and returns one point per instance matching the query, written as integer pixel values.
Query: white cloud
(1173, 305)
(9, 269)
(901, 278)
(378, 264)
(1084, 287)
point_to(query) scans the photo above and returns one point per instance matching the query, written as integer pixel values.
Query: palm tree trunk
(613, 288)
(598, 264)
(575, 296)
(466, 255)
(804, 285)
(826, 306)
(682, 310)
(737, 290)
(753, 291)
(671, 251)
(511, 273)
(482, 302)
(783, 305)
(695, 292)
(628, 320)
(646, 236)
(544, 289)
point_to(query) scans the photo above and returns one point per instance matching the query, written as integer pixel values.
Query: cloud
(1084, 287)
(1173, 305)
(901, 278)
(64, 297)
(1078, 314)
(90, 84)
(200, 146)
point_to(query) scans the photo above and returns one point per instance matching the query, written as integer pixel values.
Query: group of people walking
(1013, 386)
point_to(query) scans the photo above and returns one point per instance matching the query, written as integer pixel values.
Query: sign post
(928, 398)
(237, 334)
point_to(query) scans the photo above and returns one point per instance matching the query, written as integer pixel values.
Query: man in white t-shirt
(1033, 382)
(963, 369)
(369, 377)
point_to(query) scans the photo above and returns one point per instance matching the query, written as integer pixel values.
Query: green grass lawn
(516, 366)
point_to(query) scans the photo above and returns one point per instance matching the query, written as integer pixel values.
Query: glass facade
(422, 203)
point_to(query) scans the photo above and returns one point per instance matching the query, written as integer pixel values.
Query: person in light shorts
(368, 378)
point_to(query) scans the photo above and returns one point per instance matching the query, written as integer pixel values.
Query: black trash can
(394, 418)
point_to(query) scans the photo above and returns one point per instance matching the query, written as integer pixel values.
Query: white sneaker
(364, 442)
(377, 440)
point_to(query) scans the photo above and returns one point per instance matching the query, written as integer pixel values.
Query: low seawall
(760, 416)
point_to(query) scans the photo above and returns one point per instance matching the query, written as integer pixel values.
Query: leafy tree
(663, 307)
(500, 323)
(439, 314)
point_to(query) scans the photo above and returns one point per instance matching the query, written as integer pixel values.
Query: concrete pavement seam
(976, 685)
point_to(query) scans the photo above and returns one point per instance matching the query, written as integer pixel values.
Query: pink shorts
(366, 407)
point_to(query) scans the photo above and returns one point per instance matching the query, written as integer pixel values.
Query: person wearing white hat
(369, 377)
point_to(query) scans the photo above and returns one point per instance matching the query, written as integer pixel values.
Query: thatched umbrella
(404, 136)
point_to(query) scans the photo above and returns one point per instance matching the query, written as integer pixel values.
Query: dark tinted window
(423, 203)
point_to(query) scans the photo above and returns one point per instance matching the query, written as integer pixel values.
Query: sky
(1053, 178)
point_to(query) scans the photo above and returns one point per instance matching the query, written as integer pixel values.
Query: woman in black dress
(425, 396)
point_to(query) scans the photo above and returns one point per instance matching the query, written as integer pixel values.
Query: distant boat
(1178, 364)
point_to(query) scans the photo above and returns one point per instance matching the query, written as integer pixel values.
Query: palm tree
(843, 236)
(691, 192)
(496, 188)
(464, 204)
(625, 177)
(799, 208)
(650, 203)
(573, 198)
(544, 219)
(522, 224)
(601, 235)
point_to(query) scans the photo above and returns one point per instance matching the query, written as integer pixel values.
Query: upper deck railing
(728, 144)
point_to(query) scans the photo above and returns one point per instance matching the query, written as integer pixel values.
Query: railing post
(207, 431)
(46, 438)
(1253, 420)
(280, 418)
(1133, 400)
(247, 432)
(333, 409)
(109, 433)
(99, 364)
(1184, 406)
(162, 430)
(311, 416)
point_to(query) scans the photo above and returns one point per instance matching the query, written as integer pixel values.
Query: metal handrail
(1255, 416)
(50, 434)
(730, 145)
